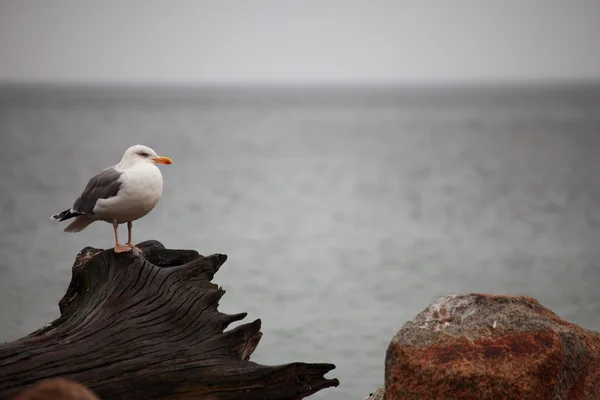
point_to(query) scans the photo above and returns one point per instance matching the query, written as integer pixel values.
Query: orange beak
(163, 160)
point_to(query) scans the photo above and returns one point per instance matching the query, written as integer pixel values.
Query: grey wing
(104, 185)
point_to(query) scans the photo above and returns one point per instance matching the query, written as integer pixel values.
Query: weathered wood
(147, 327)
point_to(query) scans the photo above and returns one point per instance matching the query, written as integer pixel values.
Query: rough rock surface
(379, 394)
(479, 346)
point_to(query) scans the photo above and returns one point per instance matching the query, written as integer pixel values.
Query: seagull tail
(80, 223)
(65, 215)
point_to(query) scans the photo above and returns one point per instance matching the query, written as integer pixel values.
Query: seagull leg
(119, 248)
(129, 227)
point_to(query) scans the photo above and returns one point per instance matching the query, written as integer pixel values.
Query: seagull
(119, 194)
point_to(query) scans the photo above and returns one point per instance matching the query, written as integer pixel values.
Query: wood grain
(147, 327)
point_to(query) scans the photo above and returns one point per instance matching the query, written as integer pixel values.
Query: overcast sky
(308, 41)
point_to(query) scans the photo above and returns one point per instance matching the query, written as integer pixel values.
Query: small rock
(57, 389)
(479, 346)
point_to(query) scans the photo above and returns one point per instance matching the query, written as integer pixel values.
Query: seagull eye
(143, 154)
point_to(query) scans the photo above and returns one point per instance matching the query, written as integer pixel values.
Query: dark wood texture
(147, 327)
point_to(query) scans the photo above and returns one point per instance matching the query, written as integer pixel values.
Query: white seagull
(122, 193)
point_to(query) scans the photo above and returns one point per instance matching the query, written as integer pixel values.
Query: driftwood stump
(147, 327)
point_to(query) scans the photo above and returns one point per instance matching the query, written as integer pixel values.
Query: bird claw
(134, 247)
(122, 248)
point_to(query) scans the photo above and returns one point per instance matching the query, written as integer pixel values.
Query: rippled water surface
(342, 219)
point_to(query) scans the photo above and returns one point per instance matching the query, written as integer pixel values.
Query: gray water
(342, 217)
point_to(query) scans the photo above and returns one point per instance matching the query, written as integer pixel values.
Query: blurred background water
(343, 214)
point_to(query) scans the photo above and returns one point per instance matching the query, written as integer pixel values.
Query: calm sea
(343, 213)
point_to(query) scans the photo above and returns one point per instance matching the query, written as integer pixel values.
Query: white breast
(141, 188)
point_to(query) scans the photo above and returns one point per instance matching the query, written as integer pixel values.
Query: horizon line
(5, 84)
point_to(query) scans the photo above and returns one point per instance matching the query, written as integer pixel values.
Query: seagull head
(142, 154)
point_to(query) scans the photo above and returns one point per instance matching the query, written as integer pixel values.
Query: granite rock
(480, 346)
